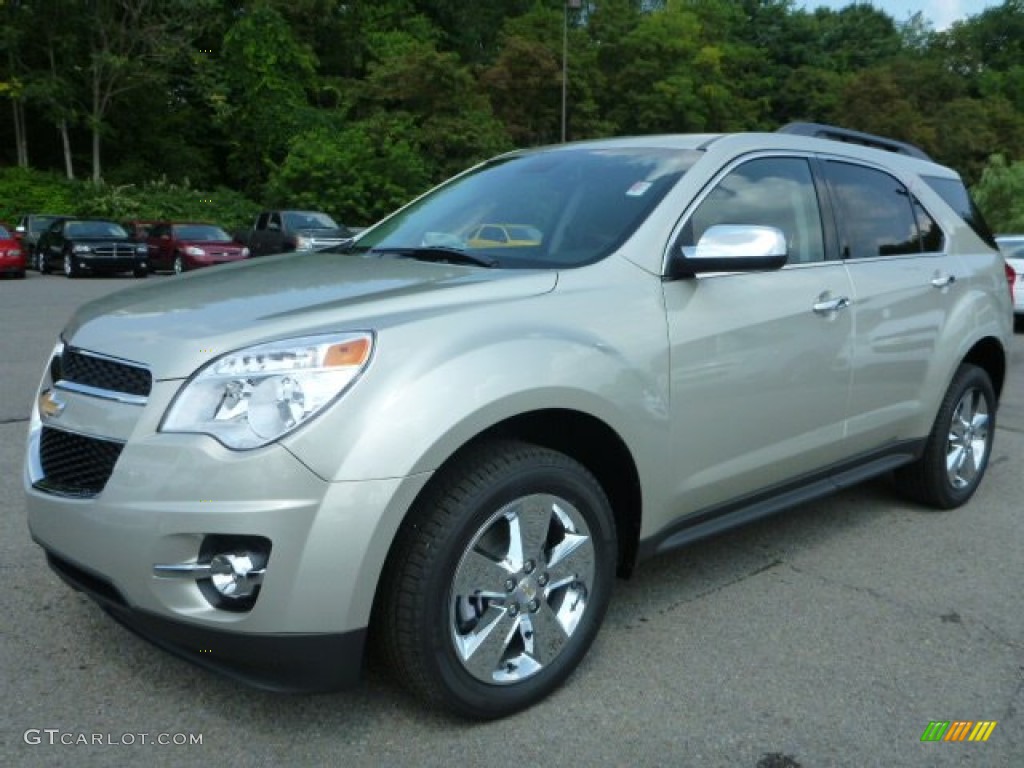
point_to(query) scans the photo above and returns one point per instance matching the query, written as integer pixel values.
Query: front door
(760, 362)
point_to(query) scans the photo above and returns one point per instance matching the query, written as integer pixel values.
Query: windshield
(308, 220)
(201, 233)
(1013, 247)
(40, 223)
(4, 234)
(562, 207)
(94, 229)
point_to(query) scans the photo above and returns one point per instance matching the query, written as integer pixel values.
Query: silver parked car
(454, 447)
(1012, 247)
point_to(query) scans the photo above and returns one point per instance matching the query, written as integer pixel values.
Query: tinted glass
(773, 192)
(309, 220)
(4, 234)
(959, 199)
(94, 229)
(574, 205)
(1013, 247)
(875, 214)
(201, 232)
(932, 239)
(39, 223)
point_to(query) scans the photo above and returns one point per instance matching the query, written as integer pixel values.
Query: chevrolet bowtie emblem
(50, 406)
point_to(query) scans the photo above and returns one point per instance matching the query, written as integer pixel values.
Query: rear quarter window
(956, 196)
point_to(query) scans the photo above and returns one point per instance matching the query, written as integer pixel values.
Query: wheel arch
(586, 439)
(989, 355)
(600, 449)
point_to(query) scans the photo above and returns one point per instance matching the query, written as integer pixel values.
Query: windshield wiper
(443, 254)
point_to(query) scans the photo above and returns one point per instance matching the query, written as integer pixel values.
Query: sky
(941, 13)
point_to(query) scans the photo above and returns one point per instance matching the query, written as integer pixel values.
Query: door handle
(941, 281)
(825, 306)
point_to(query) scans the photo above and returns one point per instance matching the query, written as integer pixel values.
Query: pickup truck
(282, 231)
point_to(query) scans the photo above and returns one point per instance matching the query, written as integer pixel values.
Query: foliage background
(212, 108)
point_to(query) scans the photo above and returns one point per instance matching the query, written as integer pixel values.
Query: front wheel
(498, 580)
(959, 446)
(179, 264)
(69, 266)
(41, 263)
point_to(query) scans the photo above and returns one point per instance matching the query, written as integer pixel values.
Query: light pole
(574, 5)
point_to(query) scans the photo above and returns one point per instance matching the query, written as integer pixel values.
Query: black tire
(487, 498)
(178, 266)
(960, 444)
(141, 272)
(70, 270)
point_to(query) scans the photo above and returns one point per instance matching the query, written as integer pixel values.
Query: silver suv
(445, 442)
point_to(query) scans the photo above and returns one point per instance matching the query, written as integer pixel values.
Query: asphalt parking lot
(829, 636)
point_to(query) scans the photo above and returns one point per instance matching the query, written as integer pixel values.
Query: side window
(261, 222)
(275, 222)
(959, 199)
(776, 192)
(877, 215)
(932, 240)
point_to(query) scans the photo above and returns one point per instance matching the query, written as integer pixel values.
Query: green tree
(1000, 194)
(258, 91)
(358, 173)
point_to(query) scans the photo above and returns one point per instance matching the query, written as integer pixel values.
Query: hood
(174, 324)
(341, 233)
(218, 245)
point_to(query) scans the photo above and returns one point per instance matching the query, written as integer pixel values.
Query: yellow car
(503, 236)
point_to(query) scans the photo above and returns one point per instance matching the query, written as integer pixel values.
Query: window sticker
(638, 189)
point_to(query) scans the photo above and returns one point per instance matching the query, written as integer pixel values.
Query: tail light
(1011, 278)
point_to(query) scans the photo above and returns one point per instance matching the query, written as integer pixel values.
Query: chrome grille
(103, 373)
(114, 250)
(75, 465)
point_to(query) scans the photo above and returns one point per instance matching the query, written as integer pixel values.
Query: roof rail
(822, 131)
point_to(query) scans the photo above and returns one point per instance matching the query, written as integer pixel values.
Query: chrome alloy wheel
(968, 442)
(521, 589)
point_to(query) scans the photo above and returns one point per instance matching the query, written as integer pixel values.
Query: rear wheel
(498, 580)
(41, 263)
(959, 446)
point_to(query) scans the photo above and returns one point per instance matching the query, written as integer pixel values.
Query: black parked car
(27, 232)
(77, 246)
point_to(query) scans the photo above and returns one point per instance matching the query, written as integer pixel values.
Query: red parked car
(12, 258)
(182, 246)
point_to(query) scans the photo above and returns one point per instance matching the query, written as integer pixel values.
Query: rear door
(905, 284)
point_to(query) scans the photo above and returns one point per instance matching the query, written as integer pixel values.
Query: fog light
(235, 575)
(228, 571)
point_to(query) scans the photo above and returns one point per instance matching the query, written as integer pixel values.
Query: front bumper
(289, 663)
(168, 493)
(108, 263)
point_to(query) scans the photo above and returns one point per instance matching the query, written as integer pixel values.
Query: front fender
(436, 382)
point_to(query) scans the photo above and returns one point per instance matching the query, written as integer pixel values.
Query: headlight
(303, 243)
(249, 398)
(193, 250)
(245, 253)
(82, 249)
(141, 249)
